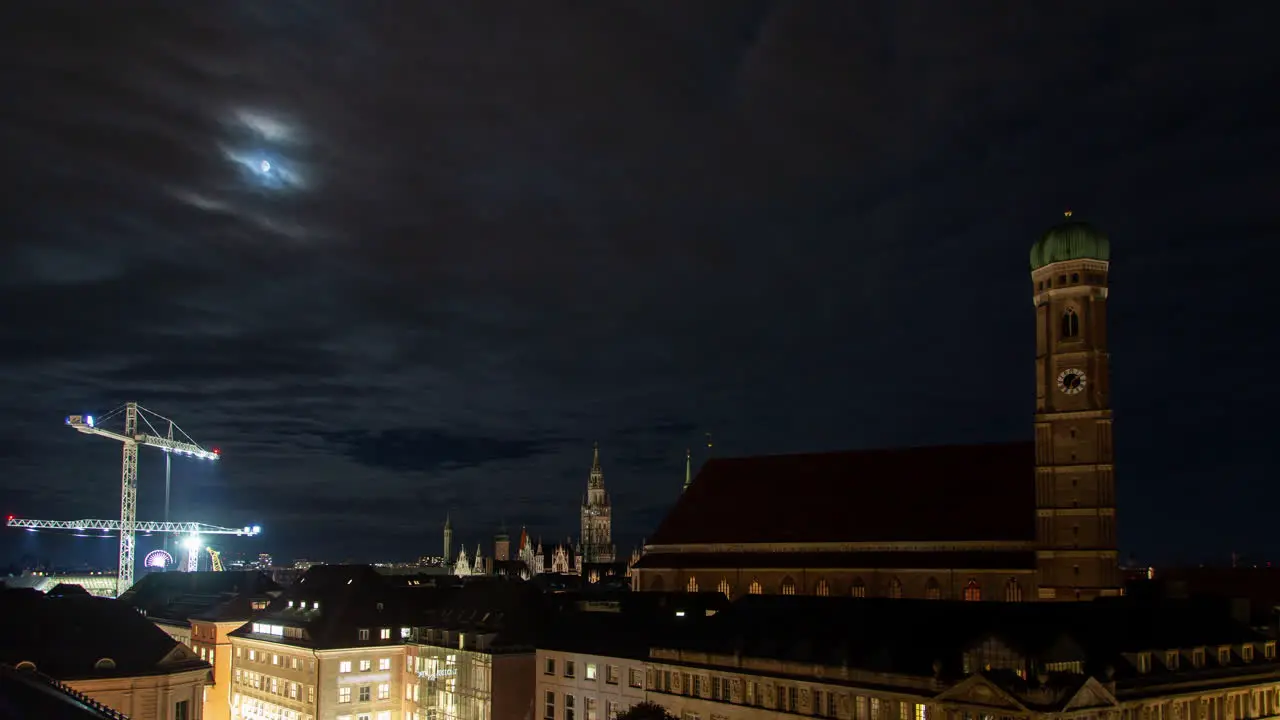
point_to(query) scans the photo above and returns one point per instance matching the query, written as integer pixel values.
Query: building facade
(596, 541)
(1016, 521)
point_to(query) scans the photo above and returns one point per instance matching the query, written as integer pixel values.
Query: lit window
(384, 715)
(692, 585)
(590, 702)
(344, 694)
(384, 691)
(591, 671)
(823, 589)
(755, 588)
(366, 665)
(344, 666)
(384, 663)
(253, 654)
(972, 591)
(922, 711)
(404, 633)
(1012, 591)
(859, 589)
(724, 587)
(788, 586)
(384, 634)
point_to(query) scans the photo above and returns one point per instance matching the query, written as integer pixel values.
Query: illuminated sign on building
(437, 674)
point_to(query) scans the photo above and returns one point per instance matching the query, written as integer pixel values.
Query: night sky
(488, 235)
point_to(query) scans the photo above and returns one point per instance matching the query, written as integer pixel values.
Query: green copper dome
(1071, 240)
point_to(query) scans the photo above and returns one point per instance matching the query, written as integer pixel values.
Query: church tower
(448, 537)
(1076, 557)
(596, 542)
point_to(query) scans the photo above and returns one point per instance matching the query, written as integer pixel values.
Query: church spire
(597, 475)
(688, 468)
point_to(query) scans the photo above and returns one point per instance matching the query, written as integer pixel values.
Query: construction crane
(192, 530)
(215, 560)
(132, 438)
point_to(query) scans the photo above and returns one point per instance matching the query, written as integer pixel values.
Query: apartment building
(471, 654)
(331, 647)
(104, 650)
(592, 660)
(891, 659)
(200, 609)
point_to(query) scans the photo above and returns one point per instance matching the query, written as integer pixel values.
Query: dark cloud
(487, 240)
(427, 450)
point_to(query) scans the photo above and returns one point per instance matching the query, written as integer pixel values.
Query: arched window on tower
(895, 588)
(755, 588)
(932, 590)
(1070, 323)
(973, 591)
(692, 585)
(724, 588)
(788, 586)
(1012, 591)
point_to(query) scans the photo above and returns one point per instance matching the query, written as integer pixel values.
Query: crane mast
(128, 499)
(131, 438)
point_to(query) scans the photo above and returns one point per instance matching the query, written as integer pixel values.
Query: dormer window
(1197, 657)
(290, 603)
(1224, 655)
(315, 605)
(1171, 659)
(1269, 650)
(1144, 662)
(1246, 652)
(364, 633)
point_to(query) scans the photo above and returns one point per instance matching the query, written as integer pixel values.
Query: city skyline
(424, 274)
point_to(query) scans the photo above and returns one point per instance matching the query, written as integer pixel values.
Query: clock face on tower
(1071, 381)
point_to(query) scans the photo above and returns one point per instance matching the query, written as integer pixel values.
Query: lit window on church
(788, 586)
(895, 588)
(859, 588)
(973, 591)
(724, 588)
(692, 585)
(822, 590)
(755, 588)
(932, 591)
(1012, 591)
(1070, 324)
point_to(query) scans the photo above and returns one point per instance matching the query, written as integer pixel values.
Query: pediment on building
(978, 690)
(1091, 694)
(178, 655)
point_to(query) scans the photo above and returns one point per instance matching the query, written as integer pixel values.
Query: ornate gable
(978, 690)
(1091, 694)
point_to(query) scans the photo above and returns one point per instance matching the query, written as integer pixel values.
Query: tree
(646, 711)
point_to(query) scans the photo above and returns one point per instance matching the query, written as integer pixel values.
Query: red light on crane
(216, 451)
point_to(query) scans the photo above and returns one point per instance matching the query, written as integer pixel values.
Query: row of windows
(933, 589)
(364, 693)
(612, 673)
(290, 661)
(590, 706)
(274, 685)
(365, 665)
(383, 633)
(783, 697)
(1091, 278)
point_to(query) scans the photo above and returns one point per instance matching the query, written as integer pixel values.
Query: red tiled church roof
(927, 494)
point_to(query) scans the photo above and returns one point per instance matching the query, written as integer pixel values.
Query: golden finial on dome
(1067, 214)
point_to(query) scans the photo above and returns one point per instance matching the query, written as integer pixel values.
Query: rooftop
(26, 694)
(948, 493)
(77, 637)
